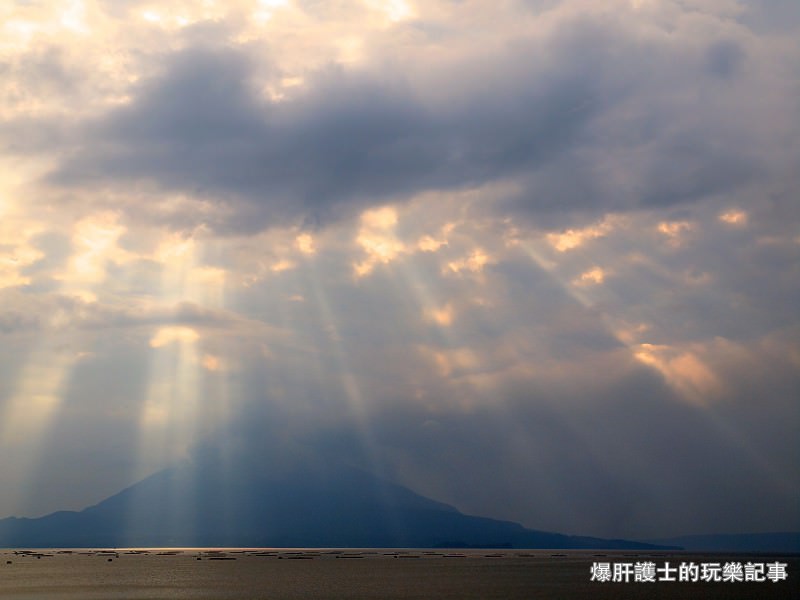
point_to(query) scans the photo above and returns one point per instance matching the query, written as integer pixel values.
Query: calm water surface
(354, 574)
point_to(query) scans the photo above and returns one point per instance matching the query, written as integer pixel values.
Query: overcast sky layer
(536, 259)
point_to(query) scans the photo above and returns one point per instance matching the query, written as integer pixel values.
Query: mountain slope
(309, 505)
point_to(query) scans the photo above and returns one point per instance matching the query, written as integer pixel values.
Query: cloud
(556, 109)
(344, 139)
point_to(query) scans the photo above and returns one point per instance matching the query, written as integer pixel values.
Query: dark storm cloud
(351, 138)
(349, 141)
(604, 100)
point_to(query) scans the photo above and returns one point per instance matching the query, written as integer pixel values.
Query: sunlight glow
(266, 9)
(305, 243)
(474, 263)
(168, 335)
(187, 393)
(378, 240)
(441, 316)
(18, 32)
(574, 238)
(211, 362)
(282, 265)
(684, 371)
(169, 417)
(384, 218)
(734, 217)
(73, 17)
(593, 276)
(675, 231)
(28, 415)
(95, 239)
(38, 394)
(350, 49)
(184, 277)
(428, 243)
(14, 260)
(394, 10)
(630, 334)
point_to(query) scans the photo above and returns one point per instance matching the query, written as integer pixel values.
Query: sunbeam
(27, 416)
(31, 411)
(682, 369)
(179, 408)
(348, 381)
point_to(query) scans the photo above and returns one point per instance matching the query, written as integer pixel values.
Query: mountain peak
(311, 504)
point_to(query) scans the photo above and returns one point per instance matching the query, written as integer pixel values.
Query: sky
(539, 259)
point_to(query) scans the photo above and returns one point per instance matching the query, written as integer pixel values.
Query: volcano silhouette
(305, 504)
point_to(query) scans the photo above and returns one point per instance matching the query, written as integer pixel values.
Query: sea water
(277, 574)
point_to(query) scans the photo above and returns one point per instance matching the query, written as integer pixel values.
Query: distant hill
(308, 505)
(775, 543)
